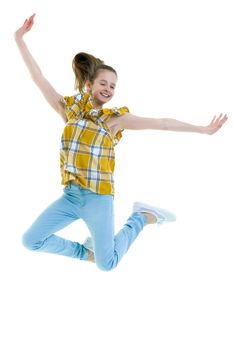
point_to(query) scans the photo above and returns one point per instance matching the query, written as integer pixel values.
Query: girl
(87, 163)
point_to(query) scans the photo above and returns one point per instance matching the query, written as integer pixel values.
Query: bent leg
(127, 235)
(40, 235)
(99, 217)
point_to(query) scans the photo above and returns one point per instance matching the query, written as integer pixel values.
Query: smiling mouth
(104, 95)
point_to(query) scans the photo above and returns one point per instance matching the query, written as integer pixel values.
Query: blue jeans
(97, 212)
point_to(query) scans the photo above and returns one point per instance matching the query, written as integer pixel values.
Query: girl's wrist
(202, 130)
(18, 36)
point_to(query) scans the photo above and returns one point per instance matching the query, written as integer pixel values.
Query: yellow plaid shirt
(87, 146)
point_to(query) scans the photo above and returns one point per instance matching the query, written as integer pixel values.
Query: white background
(173, 290)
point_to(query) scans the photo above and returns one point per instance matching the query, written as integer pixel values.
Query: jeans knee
(29, 243)
(106, 265)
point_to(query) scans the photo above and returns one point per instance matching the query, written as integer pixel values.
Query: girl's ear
(88, 86)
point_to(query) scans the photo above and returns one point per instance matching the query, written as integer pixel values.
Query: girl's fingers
(32, 17)
(221, 119)
(220, 116)
(218, 119)
(30, 20)
(213, 120)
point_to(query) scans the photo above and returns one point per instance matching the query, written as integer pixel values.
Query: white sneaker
(162, 215)
(88, 244)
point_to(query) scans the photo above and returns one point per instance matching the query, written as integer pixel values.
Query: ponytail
(86, 67)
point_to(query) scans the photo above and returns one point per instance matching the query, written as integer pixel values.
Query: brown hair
(86, 67)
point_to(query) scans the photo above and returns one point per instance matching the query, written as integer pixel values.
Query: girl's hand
(28, 23)
(215, 124)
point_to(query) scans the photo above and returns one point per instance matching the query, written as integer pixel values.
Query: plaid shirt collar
(96, 114)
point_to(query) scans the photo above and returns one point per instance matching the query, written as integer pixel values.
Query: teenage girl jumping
(87, 162)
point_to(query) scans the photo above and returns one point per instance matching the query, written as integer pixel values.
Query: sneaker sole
(160, 213)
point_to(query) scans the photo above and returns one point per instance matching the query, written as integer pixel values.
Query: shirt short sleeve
(74, 105)
(118, 112)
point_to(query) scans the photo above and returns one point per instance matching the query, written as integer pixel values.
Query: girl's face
(102, 88)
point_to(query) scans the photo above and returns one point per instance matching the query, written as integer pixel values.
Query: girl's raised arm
(52, 97)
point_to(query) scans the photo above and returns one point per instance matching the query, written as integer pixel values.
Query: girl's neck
(97, 105)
